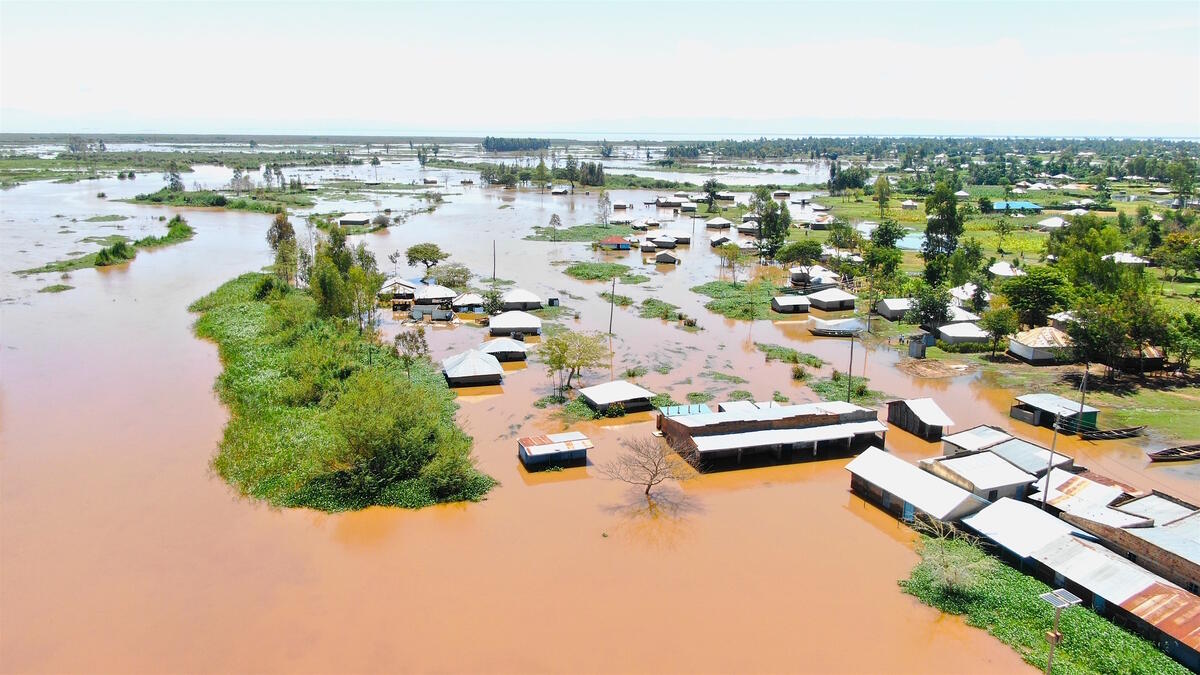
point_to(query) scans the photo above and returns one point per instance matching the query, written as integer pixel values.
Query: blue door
(908, 512)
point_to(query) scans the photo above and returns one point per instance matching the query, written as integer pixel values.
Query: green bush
(615, 410)
(964, 347)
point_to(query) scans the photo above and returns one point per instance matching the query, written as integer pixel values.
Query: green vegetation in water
(117, 249)
(549, 400)
(260, 201)
(55, 288)
(618, 299)
(652, 308)
(663, 368)
(323, 417)
(662, 401)
(698, 397)
(957, 577)
(577, 411)
(778, 397)
(178, 231)
(834, 389)
(595, 271)
(578, 233)
(718, 376)
(788, 355)
(740, 395)
(635, 372)
(739, 301)
(111, 218)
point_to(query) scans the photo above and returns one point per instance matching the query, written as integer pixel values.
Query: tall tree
(427, 254)
(883, 193)
(945, 226)
(999, 323)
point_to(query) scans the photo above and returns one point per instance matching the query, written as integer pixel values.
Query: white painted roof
(471, 363)
(434, 292)
(925, 491)
(977, 438)
(987, 471)
(515, 319)
(1124, 258)
(520, 295)
(965, 329)
(1018, 527)
(1055, 404)
(1005, 269)
(615, 392)
(897, 304)
(765, 414)
(928, 411)
(960, 315)
(503, 344)
(718, 221)
(1162, 511)
(791, 300)
(967, 291)
(1027, 456)
(352, 218)
(832, 295)
(398, 282)
(771, 437)
(718, 238)
(468, 300)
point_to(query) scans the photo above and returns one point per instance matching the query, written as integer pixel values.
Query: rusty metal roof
(1172, 610)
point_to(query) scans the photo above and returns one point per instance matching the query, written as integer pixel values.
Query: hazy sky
(622, 69)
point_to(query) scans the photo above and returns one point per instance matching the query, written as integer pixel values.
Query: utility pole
(1050, 463)
(612, 298)
(493, 261)
(850, 370)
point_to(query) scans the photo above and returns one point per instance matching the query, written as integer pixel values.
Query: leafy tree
(884, 262)
(410, 346)
(1179, 254)
(541, 175)
(805, 251)
(966, 263)
(570, 352)
(172, 178)
(606, 149)
(711, 187)
(985, 205)
(1036, 295)
(603, 208)
(281, 229)
(887, 233)
(1182, 174)
(942, 231)
(999, 322)
(572, 171)
(883, 193)
(375, 160)
(451, 275)
(427, 254)
(422, 156)
(931, 306)
(493, 301)
(1183, 338)
(1002, 227)
(1098, 333)
(287, 259)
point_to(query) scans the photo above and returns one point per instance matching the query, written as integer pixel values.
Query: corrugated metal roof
(927, 410)
(1086, 498)
(1095, 568)
(1055, 404)
(515, 319)
(1181, 537)
(756, 413)
(617, 391)
(977, 438)
(471, 363)
(1172, 610)
(987, 471)
(1027, 456)
(832, 295)
(503, 345)
(925, 491)
(1045, 337)
(1018, 527)
(547, 444)
(772, 437)
(1161, 510)
(790, 300)
(963, 330)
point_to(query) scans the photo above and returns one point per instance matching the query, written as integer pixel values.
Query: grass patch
(1005, 603)
(834, 389)
(635, 372)
(117, 249)
(788, 355)
(618, 299)
(698, 397)
(261, 201)
(577, 411)
(111, 218)
(178, 231)
(740, 395)
(322, 417)
(739, 301)
(778, 397)
(596, 271)
(591, 232)
(652, 308)
(55, 288)
(549, 400)
(718, 376)
(662, 401)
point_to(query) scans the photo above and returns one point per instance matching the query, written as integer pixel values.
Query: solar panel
(1068, 596)
(1054, 600)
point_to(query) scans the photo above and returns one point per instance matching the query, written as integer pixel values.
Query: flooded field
(121, 551)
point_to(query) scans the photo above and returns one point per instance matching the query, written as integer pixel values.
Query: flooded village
(599, 337)
(821, 497)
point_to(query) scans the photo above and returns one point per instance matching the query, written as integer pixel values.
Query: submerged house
(983, 474)
(472, 368)
(973, 439)
(354, 219)
(790, 304)
(718, 223)
(629, 395)
(920, 417)
(435, 295)
(515, 322)
(906, 491)
(518, 298)
(893, 309)
(718, 239)
(832, 299)
(614, 243)
(397, 288)
(741, 428)
(666, 258)
(1040, 346)
(1029, 457)
(565, 449)
(468, 302)
(1043, 408)
(505, 349)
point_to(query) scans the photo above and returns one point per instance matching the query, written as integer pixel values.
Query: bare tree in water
(646, 462)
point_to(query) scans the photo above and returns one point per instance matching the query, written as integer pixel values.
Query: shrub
(615, 410)
(799, 373)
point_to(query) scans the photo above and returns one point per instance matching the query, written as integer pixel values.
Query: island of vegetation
(118, 249)
(323, 415)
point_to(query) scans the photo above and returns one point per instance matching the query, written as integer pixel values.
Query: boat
(1111, 434)
(844, 328)
(1179, 453)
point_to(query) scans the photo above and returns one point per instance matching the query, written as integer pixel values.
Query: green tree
(931, 306)
(572, 171)
(410, 346)
(1002, 227)
(805, 252)
(1036, 295)
(541, 175)
(711, 188)
(944, 227)
(883, 193)
(999, 322)
(1098, 333)
(427, 254)
(281, 229)
(887, 233)
(568, 353)
(451, 275)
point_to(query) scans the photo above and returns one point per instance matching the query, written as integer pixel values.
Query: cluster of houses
(1133, 556)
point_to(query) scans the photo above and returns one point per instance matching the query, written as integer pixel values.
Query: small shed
(515, 322)
(749, 217)
(908, 205)
(517, 298)
(718, 239)
(907, 491)
(781, 194)
(621, 206)
(1040, 410)
(790, 304)
(680, 236)
(687, 207)
(1040, 346)
(958, 333)
(666, 258)
(962, 194)
(614, 243)
(832, 299)
(472, 368)
(1052, 223)
(893, 309)
(468, 302)
(748, 227)
(920, 417)
(663, 241)
(354, 219)
(628, 394)
(539, 452)
(718, 223)
(648, 246)
(505, 349)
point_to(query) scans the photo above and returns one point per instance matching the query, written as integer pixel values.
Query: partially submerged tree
(569, 352)
(452, 275)
(646, 462)
(410, 346)
(603, 208)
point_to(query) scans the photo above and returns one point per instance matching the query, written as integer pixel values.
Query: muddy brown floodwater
(121, 551)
